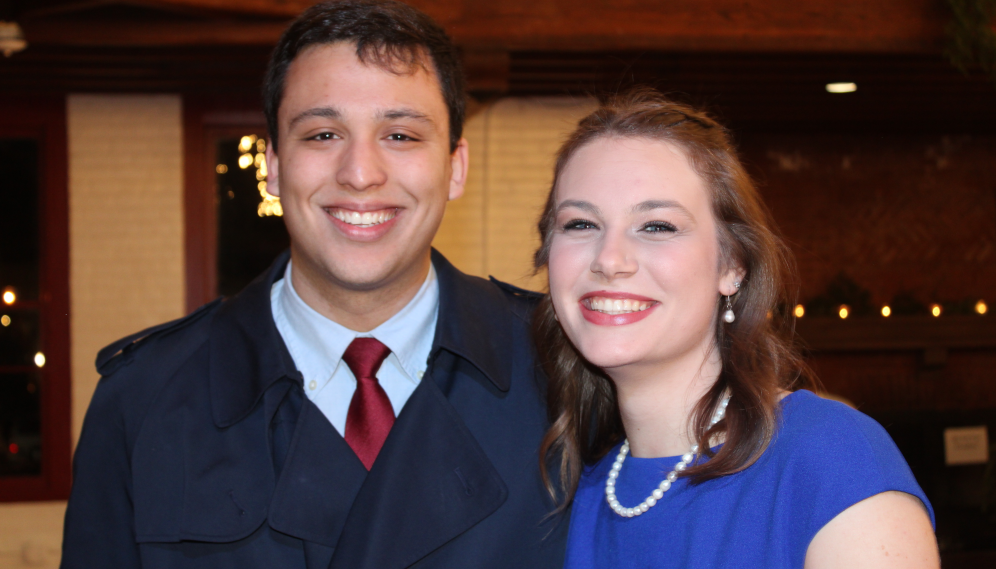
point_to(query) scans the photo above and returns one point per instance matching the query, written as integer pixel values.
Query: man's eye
(399, 137)
(324, 136)
(579, 224)
(659, 227)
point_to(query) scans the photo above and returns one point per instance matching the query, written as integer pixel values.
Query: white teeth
(365, 219)
(617, 306)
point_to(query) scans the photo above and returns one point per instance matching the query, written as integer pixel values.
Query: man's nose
(615, 257)
(361, 166)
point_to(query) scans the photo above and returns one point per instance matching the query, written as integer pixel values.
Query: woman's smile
(615, 308)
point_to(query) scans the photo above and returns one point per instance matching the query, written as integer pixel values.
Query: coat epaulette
(522, 301)
(516, 291)
(117, 354)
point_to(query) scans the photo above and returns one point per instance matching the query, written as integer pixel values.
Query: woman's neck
(656, 401)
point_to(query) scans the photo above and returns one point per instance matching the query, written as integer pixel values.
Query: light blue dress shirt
(316, 344)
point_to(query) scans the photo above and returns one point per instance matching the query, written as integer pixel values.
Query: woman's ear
(731, 280)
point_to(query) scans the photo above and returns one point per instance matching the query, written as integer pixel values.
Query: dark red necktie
(370, 414)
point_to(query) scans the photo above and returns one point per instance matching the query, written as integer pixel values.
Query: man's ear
(459, 161)
(272, 172)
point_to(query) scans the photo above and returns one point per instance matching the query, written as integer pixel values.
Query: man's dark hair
(387, 33)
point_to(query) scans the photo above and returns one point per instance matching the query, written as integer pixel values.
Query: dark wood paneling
(886, 26)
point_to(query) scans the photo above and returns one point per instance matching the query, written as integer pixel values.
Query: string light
(246, 142)
(886, 311)
(980, 307)
(5, 320)
(843, 311)
(221, 168)
(40, 359)
(8, 296)
(245, 161)
(935, 309)
(799, 311)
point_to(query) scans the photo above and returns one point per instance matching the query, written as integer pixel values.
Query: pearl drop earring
(729, 316)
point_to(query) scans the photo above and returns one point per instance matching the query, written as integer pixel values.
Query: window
(230, 239)
(34, 302)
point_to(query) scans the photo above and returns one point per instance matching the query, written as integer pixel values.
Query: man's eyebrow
(580, 204)
(651, 205)
(394, 114)
(322, 112)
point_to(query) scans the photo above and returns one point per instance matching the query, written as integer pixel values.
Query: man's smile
(362, 219)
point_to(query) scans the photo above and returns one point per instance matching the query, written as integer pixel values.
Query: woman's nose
(615, 258)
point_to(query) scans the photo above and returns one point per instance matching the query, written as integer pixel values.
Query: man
(362, 404)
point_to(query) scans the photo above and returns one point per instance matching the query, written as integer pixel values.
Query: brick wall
(126, 223)
(491, 230)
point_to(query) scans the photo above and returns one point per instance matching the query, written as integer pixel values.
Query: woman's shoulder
(836, 454)
(825, 426)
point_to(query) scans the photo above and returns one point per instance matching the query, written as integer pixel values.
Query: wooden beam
(886, 26)
(151, 34)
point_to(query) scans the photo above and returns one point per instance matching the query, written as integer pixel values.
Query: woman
(680, 432)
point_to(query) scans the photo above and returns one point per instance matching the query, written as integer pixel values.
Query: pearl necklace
(665, 485)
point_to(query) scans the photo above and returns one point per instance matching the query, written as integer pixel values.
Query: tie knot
(364, 356)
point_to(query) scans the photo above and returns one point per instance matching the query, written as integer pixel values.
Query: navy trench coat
(200, 450)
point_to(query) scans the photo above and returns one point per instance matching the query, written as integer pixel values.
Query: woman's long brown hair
(758, 356)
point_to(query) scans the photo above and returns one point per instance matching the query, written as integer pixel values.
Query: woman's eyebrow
(651, 205)
(580, 204)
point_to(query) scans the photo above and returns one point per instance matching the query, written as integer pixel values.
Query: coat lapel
(430, 483)
(318, 483)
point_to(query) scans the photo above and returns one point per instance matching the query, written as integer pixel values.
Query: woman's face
(635, 268)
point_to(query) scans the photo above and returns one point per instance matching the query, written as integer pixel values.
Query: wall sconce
(11, 38)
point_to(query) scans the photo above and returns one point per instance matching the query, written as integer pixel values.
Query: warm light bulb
(40, 359)
(843, 311)
(980, 307)
(886, 311)
(261, 145)
(221, 168)
(799, 311)
(5, 320)
(246, 142)
(935, 309)
(9, 297)
(841, 87)
(245, 161)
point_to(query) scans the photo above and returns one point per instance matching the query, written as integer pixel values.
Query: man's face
(363, 170)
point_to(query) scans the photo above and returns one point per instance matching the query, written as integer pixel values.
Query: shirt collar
(408, 333)
(248, 355)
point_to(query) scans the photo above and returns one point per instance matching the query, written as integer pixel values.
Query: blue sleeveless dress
(825, 458)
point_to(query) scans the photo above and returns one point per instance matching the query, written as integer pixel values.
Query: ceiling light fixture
(842, 87)
(11, 38)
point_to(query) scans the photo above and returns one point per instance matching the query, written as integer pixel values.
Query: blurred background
(133, 190)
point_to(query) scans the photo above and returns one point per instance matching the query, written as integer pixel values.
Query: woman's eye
(579, 224)
(658, 227)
